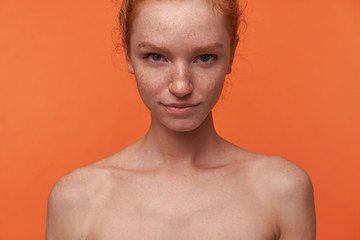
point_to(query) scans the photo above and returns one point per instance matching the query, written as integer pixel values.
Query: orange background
(66, 100)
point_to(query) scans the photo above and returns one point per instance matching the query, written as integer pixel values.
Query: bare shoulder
(276, 178)
(70, 202)
(275, 172)
(269, 174)
(75, 186)
(283, 176)
(83, 186)
(287, 190)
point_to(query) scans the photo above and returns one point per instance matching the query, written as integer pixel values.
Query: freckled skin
(167, 31)
(182, 180)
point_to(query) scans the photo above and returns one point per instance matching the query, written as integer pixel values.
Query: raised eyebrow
(153, 47)
(208, 48)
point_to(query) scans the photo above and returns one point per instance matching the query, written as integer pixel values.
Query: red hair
(228, 8)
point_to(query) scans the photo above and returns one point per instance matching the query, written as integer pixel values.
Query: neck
(173, 149)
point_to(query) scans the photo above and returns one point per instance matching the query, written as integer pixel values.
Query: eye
(154, 57)
(206, 58)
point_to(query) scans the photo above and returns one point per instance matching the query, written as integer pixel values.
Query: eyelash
(149, 56)
(212, 58)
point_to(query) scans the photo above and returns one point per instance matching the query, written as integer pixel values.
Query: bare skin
(234, 194)
(182, 180)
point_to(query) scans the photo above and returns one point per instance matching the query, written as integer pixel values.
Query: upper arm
(65, 213)
(295, 204)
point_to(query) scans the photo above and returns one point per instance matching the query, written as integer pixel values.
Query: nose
(181, 82)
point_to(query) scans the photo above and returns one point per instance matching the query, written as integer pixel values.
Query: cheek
(149, 84)
(211, 83)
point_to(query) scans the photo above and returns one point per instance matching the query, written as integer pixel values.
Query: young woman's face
(180, 54)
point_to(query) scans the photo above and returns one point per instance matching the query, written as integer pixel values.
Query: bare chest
(181, 213)
(206, 226)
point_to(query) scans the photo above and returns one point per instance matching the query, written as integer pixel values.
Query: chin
(183, 125)
(184, 128)
(180, 126)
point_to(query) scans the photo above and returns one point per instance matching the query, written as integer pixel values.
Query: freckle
(146, 82)
(189, 35)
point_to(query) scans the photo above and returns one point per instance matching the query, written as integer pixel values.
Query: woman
(182, 180)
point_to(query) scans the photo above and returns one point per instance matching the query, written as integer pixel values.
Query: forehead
(174, 20)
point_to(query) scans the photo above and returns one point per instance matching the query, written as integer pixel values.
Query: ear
(129, 64)
(229, 68)
(230, 64)
(232, 55)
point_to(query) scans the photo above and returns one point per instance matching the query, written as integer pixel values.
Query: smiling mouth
(180, 109)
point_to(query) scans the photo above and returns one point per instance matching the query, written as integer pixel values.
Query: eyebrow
(207, 48)
(151, 46)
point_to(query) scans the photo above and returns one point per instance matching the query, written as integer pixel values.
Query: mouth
(180, 109)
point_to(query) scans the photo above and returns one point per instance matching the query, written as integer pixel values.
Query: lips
(180, 109)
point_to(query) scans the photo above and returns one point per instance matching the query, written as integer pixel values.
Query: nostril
(180, 88)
